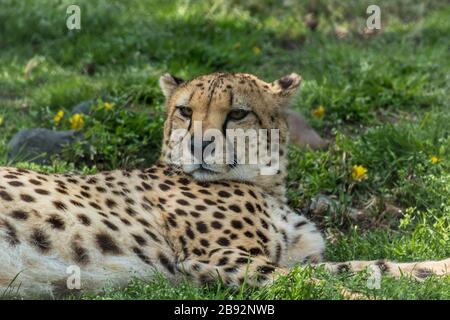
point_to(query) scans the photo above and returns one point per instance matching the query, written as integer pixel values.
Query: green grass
(385, 96)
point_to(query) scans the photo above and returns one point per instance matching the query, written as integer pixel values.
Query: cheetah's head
(223, 107)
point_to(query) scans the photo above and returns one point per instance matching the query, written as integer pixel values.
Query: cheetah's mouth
(202, 171)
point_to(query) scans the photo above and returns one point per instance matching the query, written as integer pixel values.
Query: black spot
(204, 243)
(152, 235)
(231, 270)
(142, 256)
(10, 176)
(60, 205)
(146, 186)
(110, 225)
(27, 198)
(238, 192)
(218, 215)
(224, 194)
(11, 233)
(243, 260)
(84, 219)
(200, 208)
(92, 180)
(189, 194)
(180, 212)
(278, 253)
(222, 261)
(130, 211)
(250, 207)
(111, 203)
(255, 251)
(235, 208)
(15, 183)
(300, 224)
(236, 224)
(164, 187)
(285, 82)
(85, 194)
(342, 267)
(125, 221)
(190, 233)
(169, 182)
(35, 182)
(166, 263)
(106, 244)
(223, 241)
(139, 239)
(182, 202)
(264, 224)
(56, 222)
(143, 222)
(19, 215)
(262, 236)
(41, 240)
(172, 222)
(80, 254)
(95, 206)
(201, 227)
(216, 225)
(77, 204)
(42, 192)
(209, 202)
(194, 214)
(62, 191)
(101, 189)
(423, 273)
(249, 221)
(382, 265)
(184, 181)
(248, 234)
(265, 269)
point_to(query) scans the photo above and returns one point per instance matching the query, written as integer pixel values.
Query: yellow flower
(108, 106)
(435, 159)
(59, 115)
(359, 173)
(256, 50)
(319, 112)
(77, 122)
(2, 119)
(237, 45)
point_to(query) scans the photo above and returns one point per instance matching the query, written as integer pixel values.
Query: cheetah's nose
(198, 148)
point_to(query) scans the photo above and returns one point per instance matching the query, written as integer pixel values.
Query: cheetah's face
(205, 117)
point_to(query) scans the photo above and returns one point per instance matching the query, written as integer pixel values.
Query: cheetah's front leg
(233, 267)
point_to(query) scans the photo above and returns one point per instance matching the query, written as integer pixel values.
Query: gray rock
(86, 106)
(39, 145)
(302, 134)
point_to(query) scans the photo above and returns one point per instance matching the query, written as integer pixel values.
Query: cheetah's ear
(287, 86)
(169, 83)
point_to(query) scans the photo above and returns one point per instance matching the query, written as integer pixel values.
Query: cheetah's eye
(185, 111)
(238, 114)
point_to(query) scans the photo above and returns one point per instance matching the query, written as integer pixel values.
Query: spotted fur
(231, 224)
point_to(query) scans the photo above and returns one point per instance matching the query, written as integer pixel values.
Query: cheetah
(201, 221)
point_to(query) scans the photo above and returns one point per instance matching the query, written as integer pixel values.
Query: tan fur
(234, 225)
